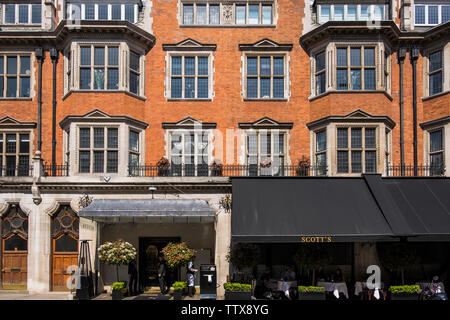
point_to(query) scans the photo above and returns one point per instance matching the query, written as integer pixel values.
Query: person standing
(162, 271)
(132, 277)
(190, 276)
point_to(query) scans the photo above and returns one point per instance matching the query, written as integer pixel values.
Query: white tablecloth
(285, 285)
(360, 286)
(331, 286)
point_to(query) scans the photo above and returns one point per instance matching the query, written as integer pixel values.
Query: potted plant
(178, 289)
(311, 256)
(243, 255)
(405, 292)
(237, 291)
(117, 253)
(119, 290)
(163, 166)
(216, 169)
(177, 254)
(303, 166)
(311, 293)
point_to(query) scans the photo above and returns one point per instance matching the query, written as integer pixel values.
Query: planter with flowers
(237, 291)
(179, 288)
(216, 169)
(163, 166)
(406, 292)
(311, 293)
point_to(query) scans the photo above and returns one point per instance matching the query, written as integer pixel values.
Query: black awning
(285, 210)
(149, 210)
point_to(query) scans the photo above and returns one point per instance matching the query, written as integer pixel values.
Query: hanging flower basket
(163, 166)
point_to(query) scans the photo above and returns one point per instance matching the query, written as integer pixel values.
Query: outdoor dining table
(360, 286)
(331, 286)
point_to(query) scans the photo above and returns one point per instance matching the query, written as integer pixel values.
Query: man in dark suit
(162, 271)
(132, 276)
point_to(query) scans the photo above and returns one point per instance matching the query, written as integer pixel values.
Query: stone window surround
(227, 16)
(32, 56)
(124, 63)
(445, 47)
(426, 4)
(330, 49)
(272, 132)
(211, 70)
(285, 54)
(17, 131)
(29, 4)
(122, 3)
(71, 142)
(358, 9)
(331, 144)
(434, 125)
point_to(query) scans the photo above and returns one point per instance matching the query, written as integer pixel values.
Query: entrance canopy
(149, 211)
(322, 209)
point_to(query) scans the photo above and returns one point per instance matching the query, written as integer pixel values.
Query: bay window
(102, 11)
(352, 12)
(22, 13)
(99, 67)
(429, 14)
(435, 72)
(355, 68)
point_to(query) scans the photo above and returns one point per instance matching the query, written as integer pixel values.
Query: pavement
(25, 295)
(151, 294)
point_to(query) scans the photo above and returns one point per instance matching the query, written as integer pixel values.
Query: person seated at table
(338, 276)
(320, 274)
(264, 289)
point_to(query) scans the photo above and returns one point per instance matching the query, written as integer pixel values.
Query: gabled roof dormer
(266, 45)
(97, 115)
(189, 45)
(266, 123)
(8, 122)
(189, 123)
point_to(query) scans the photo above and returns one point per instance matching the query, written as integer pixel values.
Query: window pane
(355, 56)
(189, 88)
(11, 87)
(321, 160)
(253, 15)
(189, 65)
(24, 146)
(445, 14)
(324, 13)
(113, 79)
(36, 13)
(338, 13)
(129, 12)
(99, 78)
(24, 166)
(134, 61)
(2, 81)
(436, 83)
(113, 138)
(378, 12)
(85, 161)
(370, 138)
(134, 160)
(364, 15)
(201, 14)
(175, 88)
(278, 87)
(435, 61)
(351, 12)
(23, 13)
(264, 66)
(134, 141)
(75, 11)
(89, 13)
(342, 137)
(433, 17)
(25, 65)
(112, 161)
(134, 83)
(2, 63)
(202, 87)
(355, 77)
(341, 79)
(116, 11)
(420, 14)
(16, 243)
(321, 140)
(99, 160)
(240, 14)
(356, 137)
(265, 146)
(265, 87)
(189, 142)
(85, 137)
(341, 57)
(342, 162)
(12, 65)
(66, 244)
(99, 56)
(266, 14)
(436, 141)
(102, 11)
(356, 162)
(320, 83)
(252, 87)
(203, 66)
(188, 14)
(437, 160)
(99, 137)
(278, 66)
(369, 56)
(371, 161)
(369, 79)
(320, 61)
(11, 165)
(10, 13)
(85, 78)
(24, 86)
(176, 65)
(11, 142)
(214, 14)
(252, 66)
(85, 53)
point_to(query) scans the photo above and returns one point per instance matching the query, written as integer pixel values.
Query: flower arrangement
(177, 254)
(163, 166)
(216, 169)
(310, 289)
(266, 163)
(117, 253)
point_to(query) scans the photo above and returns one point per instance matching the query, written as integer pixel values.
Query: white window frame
(430, 153)
(426, 5)
(182, 55)
(17, 154)
(358, 12)
(16, 54)
(16, 15)
(273, 133)
(83, 11)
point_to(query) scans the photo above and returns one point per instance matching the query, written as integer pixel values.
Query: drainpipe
(40, 58)
(54, 56)
(401, 54)
(414, 55)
